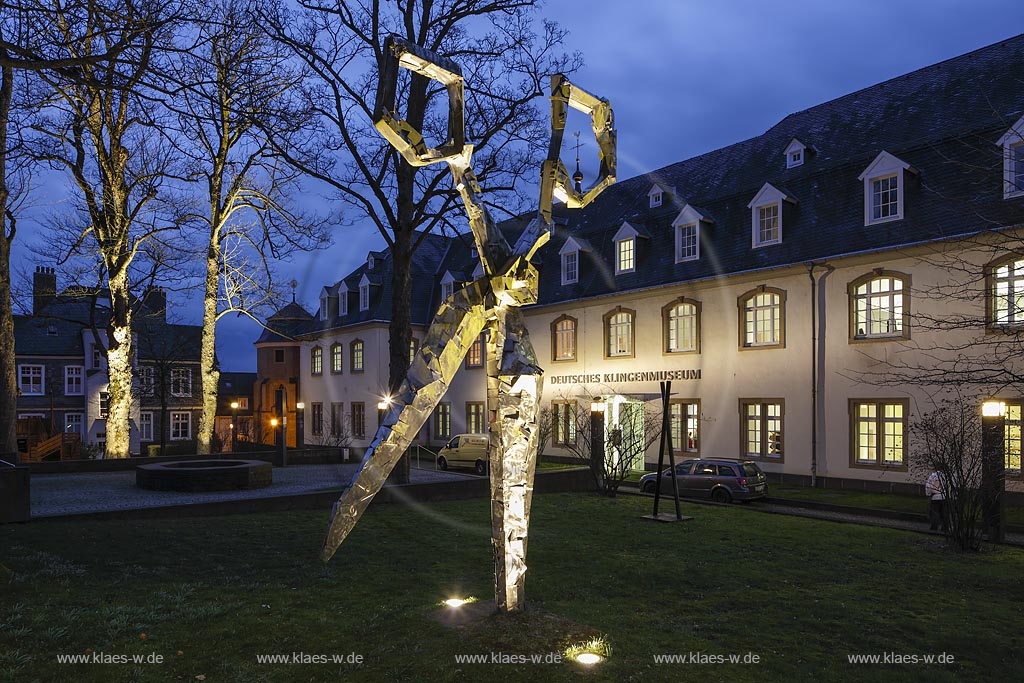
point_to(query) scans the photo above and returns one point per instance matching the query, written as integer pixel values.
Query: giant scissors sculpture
(491, 303)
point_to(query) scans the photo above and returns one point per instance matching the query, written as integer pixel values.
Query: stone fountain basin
(204, 475)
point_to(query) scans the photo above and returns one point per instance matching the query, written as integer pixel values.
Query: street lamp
(234, 426)
(300, 425)
(993, 467)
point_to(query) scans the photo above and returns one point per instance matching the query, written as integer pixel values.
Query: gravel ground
(54, 495)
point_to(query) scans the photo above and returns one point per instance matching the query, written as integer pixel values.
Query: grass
(801, 594)
(877, 501)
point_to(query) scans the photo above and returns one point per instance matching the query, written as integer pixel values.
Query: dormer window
(687, 227)
(323, 307)
(364, 297)
(884, 189)
(766, 215)
(656, 196)
(795, 154)
(625, 249)
(447, 286)
(343, 300)
(369, 262)
(570, 267)
(1013, 160)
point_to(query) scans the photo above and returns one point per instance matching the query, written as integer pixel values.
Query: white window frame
(147, 381)
(146, 425)
(680, 229)
(323, 307)
(570, 267)
(81, 424)
(656, 199)
(175, 425)
(689, 217)
(364, 297)
(176, 375)
(447, 286)
(796, 153)
(1012, 140)
(68, 376)
(884, 166)
(42, 379)
(768, 196)
(758, 312)
(620, 255)
(342, 300)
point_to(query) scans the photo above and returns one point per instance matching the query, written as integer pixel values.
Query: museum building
(799, 288)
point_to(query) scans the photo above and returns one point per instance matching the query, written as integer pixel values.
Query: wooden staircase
(66, 446)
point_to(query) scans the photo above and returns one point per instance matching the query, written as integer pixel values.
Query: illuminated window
(682, 326)
(1013, 437)
(1006, 292)
(563, 338)
(762, 318)
(475, 418)
(337, 358)
(877, 432)
(358, 419)
(316, 361)
(618, 333)
(443, 421)
(355, 356)
(684, 416)
(625, 255)
(761, 429)
(879, 306)
(475, 357)
(563, 423)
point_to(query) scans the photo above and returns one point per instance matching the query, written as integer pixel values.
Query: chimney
(44, 287)
(155, 301)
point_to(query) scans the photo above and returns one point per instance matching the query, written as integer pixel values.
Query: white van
(465, 450)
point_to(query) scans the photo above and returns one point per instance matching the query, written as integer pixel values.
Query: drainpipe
(814, 364)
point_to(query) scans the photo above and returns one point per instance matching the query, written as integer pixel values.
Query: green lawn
(800, 594)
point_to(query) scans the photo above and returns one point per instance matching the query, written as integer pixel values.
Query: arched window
(336, 358)
(763, 318)
(618, 333)
(880, 306)
(563, 338)
(356, 356)
(316, 360)
(681, 320)
(1005, 292)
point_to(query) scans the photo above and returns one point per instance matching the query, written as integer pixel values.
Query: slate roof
(943, 120)
(57, 331)
(286, 324)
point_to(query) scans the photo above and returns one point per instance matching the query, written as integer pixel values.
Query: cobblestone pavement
(71, 494)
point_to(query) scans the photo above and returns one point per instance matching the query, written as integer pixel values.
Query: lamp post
(597, 439)
(300, 425)
(993, 468)
(281, 430)
(234, 426)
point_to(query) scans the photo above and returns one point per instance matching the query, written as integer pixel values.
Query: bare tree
(101, 127)
(624, 445)
(232, 88)
(948, 442)
(495, 42)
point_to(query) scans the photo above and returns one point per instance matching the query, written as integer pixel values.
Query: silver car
(722, 481)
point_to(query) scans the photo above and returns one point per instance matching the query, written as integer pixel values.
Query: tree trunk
(208, 371)
(400, 328)
(9, 381)
(119, 366)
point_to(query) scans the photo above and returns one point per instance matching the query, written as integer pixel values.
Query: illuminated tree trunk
(8, 378)
(208, 372)
(119, 366)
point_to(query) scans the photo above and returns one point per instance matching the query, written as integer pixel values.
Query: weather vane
(492, 302)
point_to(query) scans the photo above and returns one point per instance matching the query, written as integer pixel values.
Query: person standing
(936, 501)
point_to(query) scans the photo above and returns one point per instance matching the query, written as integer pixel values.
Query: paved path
(54, 495)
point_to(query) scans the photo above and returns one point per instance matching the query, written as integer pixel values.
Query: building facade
(62, 378)
(809, 291)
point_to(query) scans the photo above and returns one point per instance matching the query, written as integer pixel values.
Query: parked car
(465, 450)
(721, 480)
